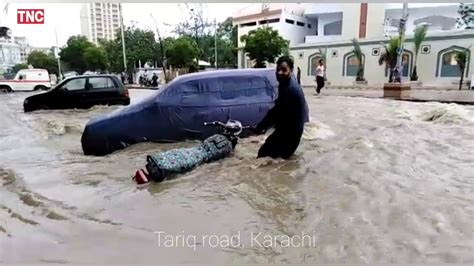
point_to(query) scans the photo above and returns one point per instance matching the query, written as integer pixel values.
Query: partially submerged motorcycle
(169, 163)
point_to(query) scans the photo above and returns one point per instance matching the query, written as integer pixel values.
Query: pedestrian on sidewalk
(298, 75)
(320, 76)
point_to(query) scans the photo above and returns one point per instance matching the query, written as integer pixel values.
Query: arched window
(351, 65)
(447, 64)
(407, 63)
(313, 63)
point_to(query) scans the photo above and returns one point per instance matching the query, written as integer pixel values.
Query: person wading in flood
(288, 115)
(320, 76)
(298, 75)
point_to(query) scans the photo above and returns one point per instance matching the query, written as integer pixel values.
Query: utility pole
(398, 69)
(57, 54)
(215, 42)
(123, 40)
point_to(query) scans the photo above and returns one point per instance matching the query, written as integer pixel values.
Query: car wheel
(40, 87)
(44, 107)
(5, 89)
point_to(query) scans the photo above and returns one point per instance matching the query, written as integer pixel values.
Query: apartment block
(101, 21)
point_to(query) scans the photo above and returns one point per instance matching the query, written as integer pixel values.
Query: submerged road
(374, 181)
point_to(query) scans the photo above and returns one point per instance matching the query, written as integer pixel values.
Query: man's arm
(268, 121)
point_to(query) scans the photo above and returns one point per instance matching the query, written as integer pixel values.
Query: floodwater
(374, 181)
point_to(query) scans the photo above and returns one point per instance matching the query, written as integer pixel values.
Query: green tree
(466, 16)
(461, 59)
(389, 57)
(360, 59)
(39, 59)
(264, 45)
(113, 54)
(226, 44)
(182, 52)
(140, 46)
(419, 37)
(95, 58)
(19, 67)
(73, 53)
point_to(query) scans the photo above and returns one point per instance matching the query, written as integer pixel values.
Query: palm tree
(360, 57)
(419, 37)
(461, 59)
(389, 57)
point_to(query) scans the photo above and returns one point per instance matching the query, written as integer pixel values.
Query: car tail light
(125, 93)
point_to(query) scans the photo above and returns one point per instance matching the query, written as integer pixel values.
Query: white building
(10, 51)
(25, 48)
(100, 21)
(288, 19)
(333, 26)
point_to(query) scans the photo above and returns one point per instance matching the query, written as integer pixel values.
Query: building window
(334, 28)
(351, 65)
(289, 21)
(248, 24)
(447, 64)
(268, 21)
(313, 63)
(301, 24)
(309, 26)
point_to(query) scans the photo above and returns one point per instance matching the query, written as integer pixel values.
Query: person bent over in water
(288, 115)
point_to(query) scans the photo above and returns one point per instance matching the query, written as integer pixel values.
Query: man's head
(321, 62)
(284, 69)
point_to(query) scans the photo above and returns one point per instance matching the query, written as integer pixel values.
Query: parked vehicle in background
(80, 92)
(27, 80)
(69, 74)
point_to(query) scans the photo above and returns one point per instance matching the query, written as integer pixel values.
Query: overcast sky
(66, 18)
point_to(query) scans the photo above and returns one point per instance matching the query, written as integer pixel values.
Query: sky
(65, 18)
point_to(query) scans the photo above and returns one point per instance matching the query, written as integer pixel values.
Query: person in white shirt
(320, 76)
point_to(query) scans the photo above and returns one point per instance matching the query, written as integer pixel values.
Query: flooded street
(373, 181)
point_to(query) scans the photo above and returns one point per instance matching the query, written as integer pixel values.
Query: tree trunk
(414, 74)
(462, 79)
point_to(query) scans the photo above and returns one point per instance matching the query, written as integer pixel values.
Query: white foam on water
(447, 114)
(317, 130)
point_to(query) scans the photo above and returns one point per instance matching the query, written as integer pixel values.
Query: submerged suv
(80, 92)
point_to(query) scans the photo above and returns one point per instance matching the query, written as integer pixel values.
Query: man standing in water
(288, 115)
(320, 76)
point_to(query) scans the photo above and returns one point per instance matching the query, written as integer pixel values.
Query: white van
(27, 80)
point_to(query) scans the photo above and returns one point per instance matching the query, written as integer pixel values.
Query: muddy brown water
(374, 180)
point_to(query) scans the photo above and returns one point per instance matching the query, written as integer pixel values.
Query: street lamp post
(123, 41)
(57, 54)
(215, 42)
(397, 89)
(399, 66)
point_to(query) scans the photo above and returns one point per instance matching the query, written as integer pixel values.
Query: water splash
(447, 114)
(317, 130)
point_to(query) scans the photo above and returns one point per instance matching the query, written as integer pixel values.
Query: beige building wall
(375, 20)
(427, 67)
(350, 20)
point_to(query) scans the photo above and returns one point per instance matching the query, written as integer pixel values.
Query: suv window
(101, 83)
(75, 84)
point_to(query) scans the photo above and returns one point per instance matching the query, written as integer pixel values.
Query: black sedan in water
(80, 92)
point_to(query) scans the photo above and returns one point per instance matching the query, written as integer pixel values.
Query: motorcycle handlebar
(218, 123)
(215, 123)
